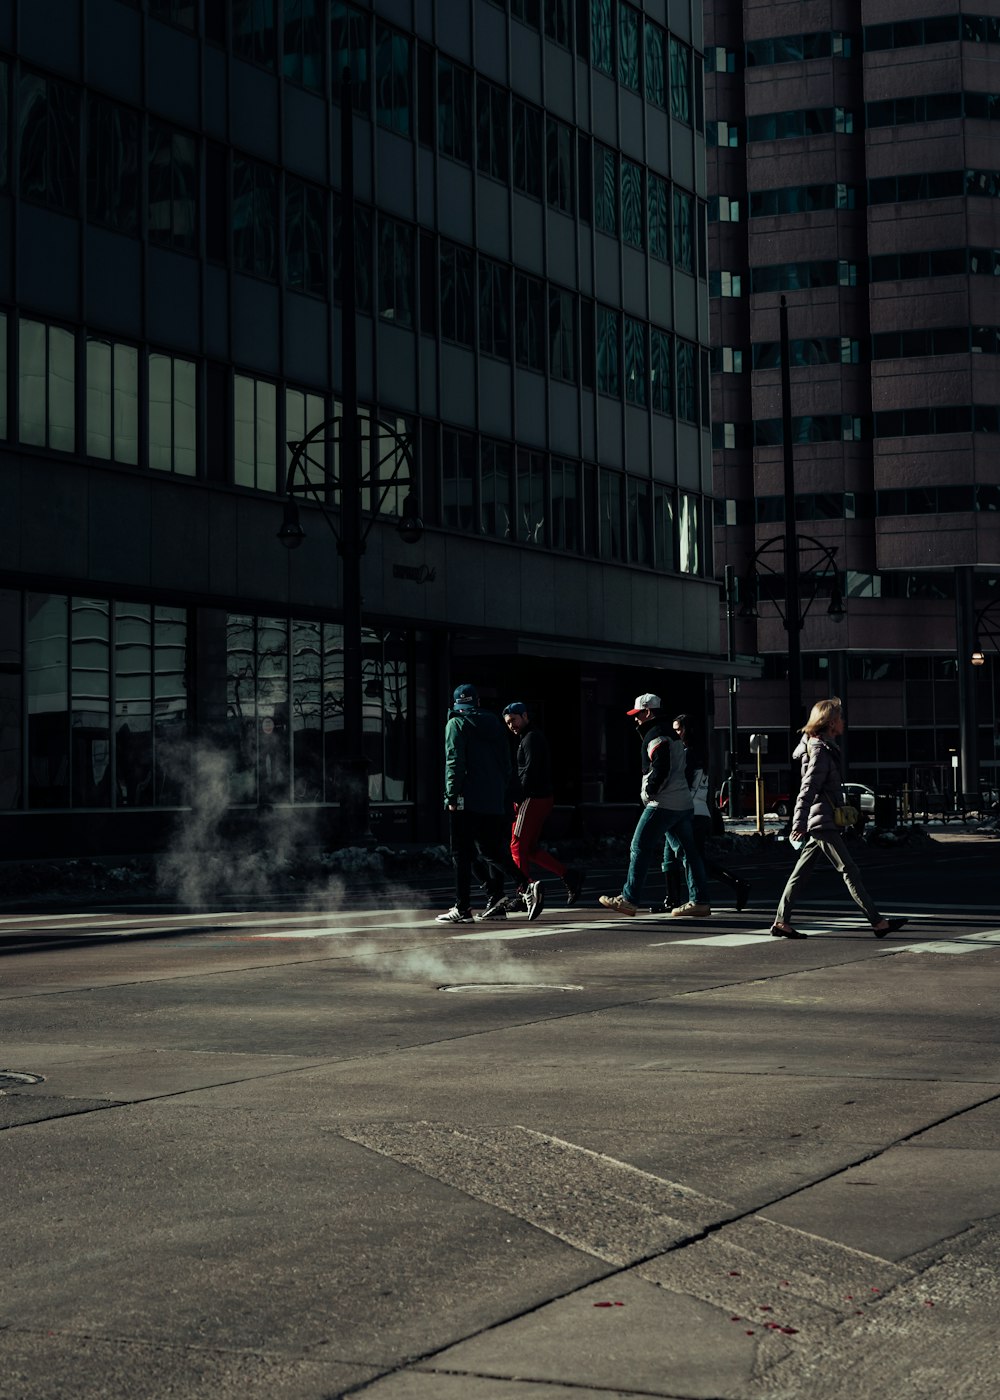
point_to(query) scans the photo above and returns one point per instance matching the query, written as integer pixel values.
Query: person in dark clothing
(696, 773)
(476, 777)
(667, 812)
(533, 803)
(814, 822)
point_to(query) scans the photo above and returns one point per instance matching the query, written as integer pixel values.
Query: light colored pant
(831, 846)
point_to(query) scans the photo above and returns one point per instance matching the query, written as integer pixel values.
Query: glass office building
(531, 289)
(853, 171)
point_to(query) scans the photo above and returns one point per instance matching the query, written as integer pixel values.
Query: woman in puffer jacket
(813, 821)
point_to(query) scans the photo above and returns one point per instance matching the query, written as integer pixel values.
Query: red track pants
(530, 817)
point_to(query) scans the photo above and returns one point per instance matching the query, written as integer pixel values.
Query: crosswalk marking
(965, 943)
(720, 940)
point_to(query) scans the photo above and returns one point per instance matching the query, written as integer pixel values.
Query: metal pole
(354, 808)
(966, 642)
(793, 614)
(735, 808)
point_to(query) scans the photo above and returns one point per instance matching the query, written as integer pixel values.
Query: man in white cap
(666, 815)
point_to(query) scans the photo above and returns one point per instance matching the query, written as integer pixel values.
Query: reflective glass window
(683, 224)
(5, 125)
(661, 358)
(602, 37)
(457, 306)
(527, 143)
(658, 202)
(496, 486)
(255, 433)
(302, 57)
(611, 505)
(562, 335)
(11, 705)
(680, 80)
(47, 386)
(112, 400)
(255, 218)
(664, 533)
(48, 126)
(655, 53)
(303, 413)
(307, 711)
(253, 31)
(172, 409)
(396, 271)
(494, 308)
(393, 80)
(558, 25)
(172, 177)
(183, 13)
(632, 203)
(605, 189)
(635, 361)
(529, 321)
(629, 55)
(305, 237)
(491, 130)
(113, 172)
(350, 47)
(46, 667)
(531, 497)
(454, 110)
(608, 352)
(458, 475)
(639, 520)
(564, 491)
(363, 273)
(686, 381)
(559, 165)
(689, 533)
(90, 702)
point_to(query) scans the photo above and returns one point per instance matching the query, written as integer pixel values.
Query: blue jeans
(656, 825)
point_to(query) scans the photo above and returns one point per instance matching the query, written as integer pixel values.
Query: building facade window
(396, 271)
(494, 308)
(562, 335)
(687, 382)
(46, 400)
(255, 218)
(661, 377)
(655, 54)
(454, 110)
(48, 126)
(172, 398)
(602, 42)
(183, 13)
(558, 22)
(3, 375)
(393, 80)
(798, 48)
(680, 81)
(683, 226)
(564, 494)
(530, 489)
(253, 31)
(559, 165)
(255, 433)
(529, 321)
(112, 400)
(303, 413)
(632, 204)
(658, 203)
(496, 486)
(605, 189)
(629, 47)
(172, 182)
(302, 52)
(113, 165)
(458, 477)
(457, 304)
(492, 135)
(350, 47)
(526, 122)
(608, 352)
(635, 362)
(305, 237)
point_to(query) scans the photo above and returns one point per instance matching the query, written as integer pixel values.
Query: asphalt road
(305, 1150)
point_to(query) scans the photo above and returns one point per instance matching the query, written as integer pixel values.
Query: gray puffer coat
(821, 789)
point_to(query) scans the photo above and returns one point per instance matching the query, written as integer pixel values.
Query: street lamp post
(351, 537)
(735, 803)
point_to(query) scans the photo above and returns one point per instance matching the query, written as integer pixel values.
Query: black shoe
(742, 895)
(787, 932)
(496, 908)
(534, 899)
(574, 884)
(892, 926)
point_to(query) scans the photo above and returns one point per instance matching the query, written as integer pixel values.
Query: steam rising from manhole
(509, 987)
(14, 1077)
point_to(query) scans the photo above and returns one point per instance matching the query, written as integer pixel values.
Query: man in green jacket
(476, 779)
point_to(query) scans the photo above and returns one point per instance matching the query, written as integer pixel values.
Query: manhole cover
(509, 987)
(10, 1077)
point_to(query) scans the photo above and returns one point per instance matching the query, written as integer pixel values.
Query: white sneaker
(691, 911)
(618, 903)
(535, 900)
(455, 916)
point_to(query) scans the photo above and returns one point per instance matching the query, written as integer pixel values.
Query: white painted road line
(720, 940)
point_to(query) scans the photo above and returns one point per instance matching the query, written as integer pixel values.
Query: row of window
(490, 488)
(886, 189)
(269, 222)
(935, 262)
(900, 34)
(623, 44)
(860, 505)
(805, 121)
(933, 107)
(934, 184)
(834, 427)
(95, 695)
(148, 409)
(883, 267)
(885, 345)
(786, 48)
(935, 29)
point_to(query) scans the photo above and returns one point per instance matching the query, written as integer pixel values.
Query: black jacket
(534, 766)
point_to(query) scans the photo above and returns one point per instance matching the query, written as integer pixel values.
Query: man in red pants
(534, 803)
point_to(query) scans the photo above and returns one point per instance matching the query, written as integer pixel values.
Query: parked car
(860, 795)
(777, 802)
